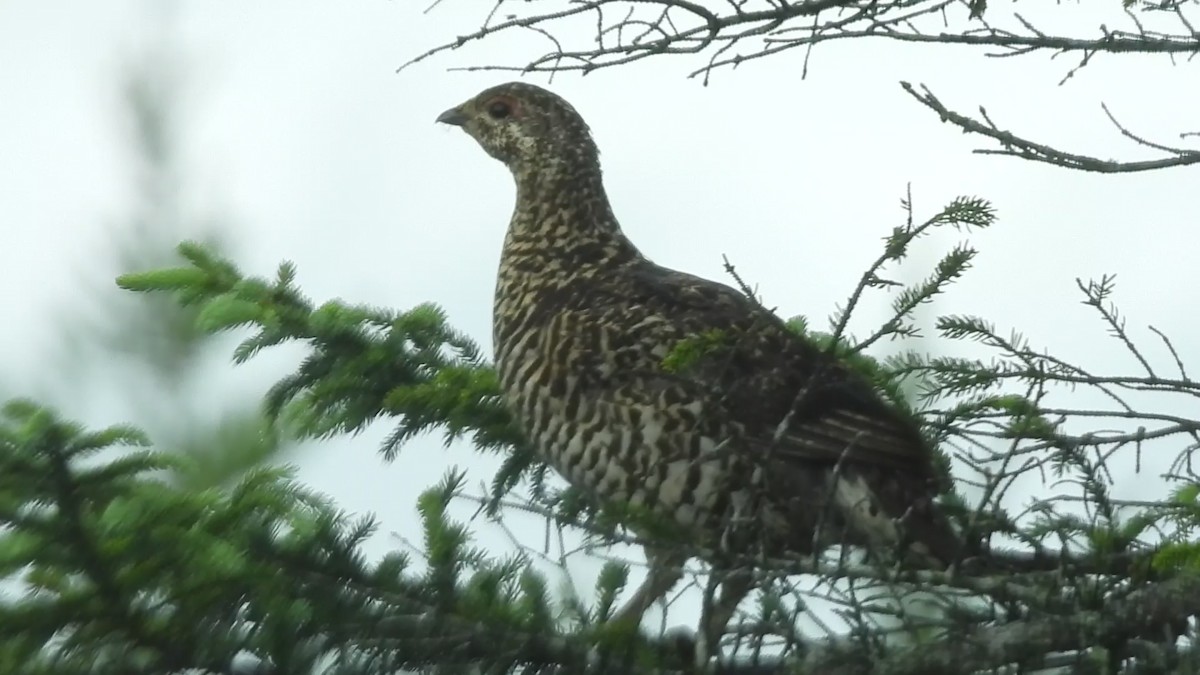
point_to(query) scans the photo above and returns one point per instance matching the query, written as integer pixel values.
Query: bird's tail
(883, 510)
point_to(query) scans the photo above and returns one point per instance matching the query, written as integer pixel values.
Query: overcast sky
(299, 131)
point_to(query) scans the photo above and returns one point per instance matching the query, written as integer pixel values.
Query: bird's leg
(735, 585)
(665, 570)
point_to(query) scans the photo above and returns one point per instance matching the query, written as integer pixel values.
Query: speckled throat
(562, 233)
(562, 236)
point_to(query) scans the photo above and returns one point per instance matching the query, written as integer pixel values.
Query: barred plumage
(583, 323)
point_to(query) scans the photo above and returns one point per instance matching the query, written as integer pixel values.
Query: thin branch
(1017, 146)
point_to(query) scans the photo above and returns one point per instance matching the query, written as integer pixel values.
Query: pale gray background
(299, 130)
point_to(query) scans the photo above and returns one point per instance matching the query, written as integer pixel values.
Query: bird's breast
(580, 362)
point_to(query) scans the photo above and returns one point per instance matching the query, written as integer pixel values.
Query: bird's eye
(498, 110)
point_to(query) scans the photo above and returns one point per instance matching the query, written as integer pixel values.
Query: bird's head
(528, 128)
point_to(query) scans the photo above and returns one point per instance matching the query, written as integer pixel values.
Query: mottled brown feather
(583, 323)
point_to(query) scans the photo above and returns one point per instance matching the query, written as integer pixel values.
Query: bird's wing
(803, 414)
(769, 374)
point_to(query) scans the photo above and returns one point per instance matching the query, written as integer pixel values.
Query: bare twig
(1017, 146)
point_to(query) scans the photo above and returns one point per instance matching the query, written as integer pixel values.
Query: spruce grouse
(585, 329)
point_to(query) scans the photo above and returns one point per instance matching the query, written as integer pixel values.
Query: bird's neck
(563, 236)
(562, 213)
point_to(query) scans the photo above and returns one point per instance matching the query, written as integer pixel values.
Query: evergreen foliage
(123, 570)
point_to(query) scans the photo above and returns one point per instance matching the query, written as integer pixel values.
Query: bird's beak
(453, 116)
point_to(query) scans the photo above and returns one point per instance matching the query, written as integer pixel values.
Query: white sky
(299, 129)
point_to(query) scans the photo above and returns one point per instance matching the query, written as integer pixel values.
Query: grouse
(758, 443)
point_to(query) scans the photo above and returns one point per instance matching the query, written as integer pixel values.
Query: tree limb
(1016, 146)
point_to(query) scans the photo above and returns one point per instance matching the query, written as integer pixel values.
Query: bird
(759, 444)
